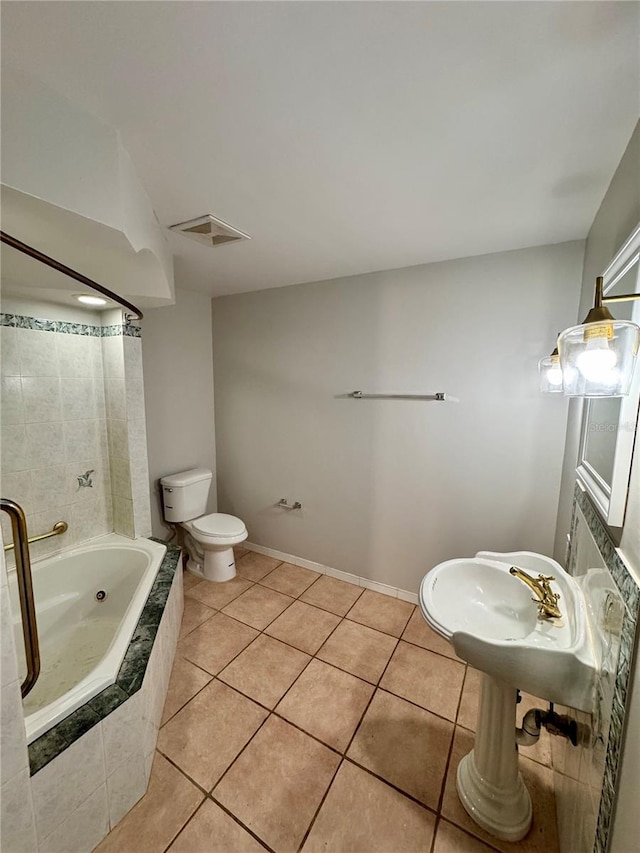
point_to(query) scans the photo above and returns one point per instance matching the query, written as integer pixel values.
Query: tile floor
(305, 713)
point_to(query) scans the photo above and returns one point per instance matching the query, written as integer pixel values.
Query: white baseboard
(356, 580)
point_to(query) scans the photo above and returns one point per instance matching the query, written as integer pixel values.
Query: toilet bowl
(209, 539)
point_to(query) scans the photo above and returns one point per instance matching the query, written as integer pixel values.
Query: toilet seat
(219, 524)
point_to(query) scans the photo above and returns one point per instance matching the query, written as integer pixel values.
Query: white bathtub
(82, 639)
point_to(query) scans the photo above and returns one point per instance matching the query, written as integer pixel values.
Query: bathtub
(88, 602)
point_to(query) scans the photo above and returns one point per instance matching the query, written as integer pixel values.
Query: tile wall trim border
(130, 675)
(18, 321)
(356, 580)
(630, 593)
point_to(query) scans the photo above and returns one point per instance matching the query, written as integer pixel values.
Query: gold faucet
(546, 600)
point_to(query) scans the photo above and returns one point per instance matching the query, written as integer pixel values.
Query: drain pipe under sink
(556, 724)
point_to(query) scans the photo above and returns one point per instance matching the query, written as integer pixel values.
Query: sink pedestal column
(489, 783)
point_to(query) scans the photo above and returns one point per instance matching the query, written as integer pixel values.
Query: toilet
(209, 539)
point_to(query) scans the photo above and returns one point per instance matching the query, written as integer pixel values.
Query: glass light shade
(550, 374)
(598, 359)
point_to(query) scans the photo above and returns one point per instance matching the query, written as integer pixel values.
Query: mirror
(609, 424)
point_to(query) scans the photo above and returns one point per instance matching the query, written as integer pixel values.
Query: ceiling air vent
(210, 231)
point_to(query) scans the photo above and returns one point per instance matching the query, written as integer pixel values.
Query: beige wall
(391, 488)
(178, 388)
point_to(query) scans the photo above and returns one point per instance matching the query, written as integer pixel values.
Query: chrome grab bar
(439, 397)
(25, 592)
(58, 529)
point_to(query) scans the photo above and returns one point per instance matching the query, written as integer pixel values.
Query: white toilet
(209, 539)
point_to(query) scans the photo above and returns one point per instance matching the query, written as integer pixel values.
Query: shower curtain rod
(60, 267)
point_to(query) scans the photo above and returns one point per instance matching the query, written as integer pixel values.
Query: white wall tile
(120, 477)
(17, 826)
(91, 517)
(125, 787)
(122, 731)
(80, 440)
(9, 354)
(11, 408)
(8, 664)
(83, 829)
(75, 355)
(44, 445)
(78, 399)
(38, 355)
(14, 448)
(50, 488)
(123, 521)
(66, 782)
(115, 399)
(135, 398)
(17, 487)
(41, 399)
(113, 357)
(118, 438)
(13, 744)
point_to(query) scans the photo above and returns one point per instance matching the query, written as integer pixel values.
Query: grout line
(239, 822)
(185, 825)
(390, 785)
(320, 804)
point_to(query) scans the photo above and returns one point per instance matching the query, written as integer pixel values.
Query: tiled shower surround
(73, 405)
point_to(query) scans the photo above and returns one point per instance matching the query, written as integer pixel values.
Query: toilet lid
(219, 524)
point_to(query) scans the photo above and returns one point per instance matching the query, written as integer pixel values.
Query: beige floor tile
(258, 606)
(327, 702)
(450, 839)
(186, 680)
(255, 566)
(217, 595)
(303, 626)
(195, 613)
(359, 650)
(542, 837)
(332, 594)
(157, 818)
(239, 552)
(363, 815)
(277, 784)
(216, 642)
(405, 745)
(211, 830)
(381, 612)
(189, 580)
(290, 579)
(420, 634)
(265, 670)
(208, 733)
(423, 677)
(468, 710)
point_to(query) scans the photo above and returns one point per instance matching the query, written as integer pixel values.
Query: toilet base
(218, 565)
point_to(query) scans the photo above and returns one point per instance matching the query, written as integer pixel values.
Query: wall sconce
(596, 358)
(550, 374)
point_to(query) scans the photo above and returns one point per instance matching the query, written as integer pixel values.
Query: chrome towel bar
(439, 397)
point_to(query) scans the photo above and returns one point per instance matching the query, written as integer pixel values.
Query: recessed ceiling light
(90, 300)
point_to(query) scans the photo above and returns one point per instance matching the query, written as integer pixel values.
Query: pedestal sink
(492, 622)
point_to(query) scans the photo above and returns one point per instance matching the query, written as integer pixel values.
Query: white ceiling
(350, 137)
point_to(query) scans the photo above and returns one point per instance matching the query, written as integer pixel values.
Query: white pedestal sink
(489, 617)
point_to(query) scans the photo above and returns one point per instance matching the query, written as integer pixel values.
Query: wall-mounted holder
(283, 503)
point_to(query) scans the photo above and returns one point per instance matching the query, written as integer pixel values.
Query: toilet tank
(185, 494)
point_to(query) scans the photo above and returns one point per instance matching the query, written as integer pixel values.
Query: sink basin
(489, 617)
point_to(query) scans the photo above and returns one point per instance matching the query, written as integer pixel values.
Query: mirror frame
(611, 498)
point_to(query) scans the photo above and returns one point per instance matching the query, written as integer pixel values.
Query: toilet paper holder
(283, 503)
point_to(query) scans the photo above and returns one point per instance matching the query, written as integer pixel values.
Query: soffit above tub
(350, 137)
